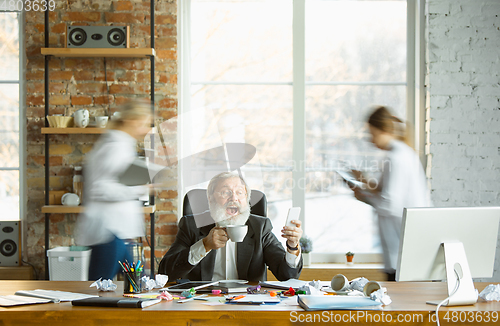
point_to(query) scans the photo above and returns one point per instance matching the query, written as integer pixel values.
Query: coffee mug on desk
(236, 233)
(70, 199)
(340, 283)
(101, 121)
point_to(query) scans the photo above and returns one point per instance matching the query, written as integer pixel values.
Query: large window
(10, 80)
(295, 79)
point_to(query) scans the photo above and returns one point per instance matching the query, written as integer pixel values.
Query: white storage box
(69, 265)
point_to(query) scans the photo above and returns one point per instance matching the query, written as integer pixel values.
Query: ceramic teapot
(81, 118)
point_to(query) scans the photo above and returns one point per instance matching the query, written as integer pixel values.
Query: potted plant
(349, 256)
(306, 247)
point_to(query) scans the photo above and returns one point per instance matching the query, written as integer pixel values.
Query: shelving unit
(113, 53)
(47, 131)
(60, 209)
(73, 131)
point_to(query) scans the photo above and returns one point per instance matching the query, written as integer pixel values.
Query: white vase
(306, 259)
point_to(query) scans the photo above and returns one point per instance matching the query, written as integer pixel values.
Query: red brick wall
(79, 83)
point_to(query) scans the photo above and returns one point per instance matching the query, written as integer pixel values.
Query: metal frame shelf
(49, 52)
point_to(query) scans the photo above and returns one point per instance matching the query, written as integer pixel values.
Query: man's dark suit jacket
(259, 249)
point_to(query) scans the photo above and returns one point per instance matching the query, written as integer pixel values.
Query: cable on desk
(442, 302)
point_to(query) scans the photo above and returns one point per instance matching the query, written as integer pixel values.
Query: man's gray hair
(224, 176)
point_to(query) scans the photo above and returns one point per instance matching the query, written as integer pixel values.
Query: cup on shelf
(70, 199)
(81, 118)
(101, 121)
(116, 116)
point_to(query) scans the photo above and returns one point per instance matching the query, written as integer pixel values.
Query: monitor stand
(461, 289)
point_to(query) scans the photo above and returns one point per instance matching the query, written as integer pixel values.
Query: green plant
(306, 244)
(349, 253)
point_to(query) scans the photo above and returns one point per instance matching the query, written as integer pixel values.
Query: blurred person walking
(402, 184)
(113, 212)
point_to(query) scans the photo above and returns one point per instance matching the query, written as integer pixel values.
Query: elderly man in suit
(204, 253)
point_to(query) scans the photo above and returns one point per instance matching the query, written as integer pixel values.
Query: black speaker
(97, 36)
(10, 248)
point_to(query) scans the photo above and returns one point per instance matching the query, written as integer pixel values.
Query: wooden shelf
(60, 209)
(73, 130)
(117, 53)
(16, 273)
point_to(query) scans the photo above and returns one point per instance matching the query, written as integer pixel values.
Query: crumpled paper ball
(104, 285)
(381, 296)
(358, 283)
(159, 281)
(315, 284)
(312, 288)
(491, 293)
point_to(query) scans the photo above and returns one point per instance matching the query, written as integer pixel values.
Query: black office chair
(195, 202)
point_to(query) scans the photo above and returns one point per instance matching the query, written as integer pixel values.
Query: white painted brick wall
(463, 103)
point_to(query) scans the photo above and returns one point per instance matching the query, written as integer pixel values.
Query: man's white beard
(222, 219)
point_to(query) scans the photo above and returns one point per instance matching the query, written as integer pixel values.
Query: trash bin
(69, 263)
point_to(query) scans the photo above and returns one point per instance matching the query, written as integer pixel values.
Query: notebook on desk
(335, 302)
(116, 302)
(55, 296)
(284, 285)
(16, 300)
(226, 287)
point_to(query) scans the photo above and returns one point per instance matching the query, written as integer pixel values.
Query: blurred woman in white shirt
(113, 211)
(403, 183)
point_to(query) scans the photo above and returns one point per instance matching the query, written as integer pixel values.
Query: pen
(239, 297)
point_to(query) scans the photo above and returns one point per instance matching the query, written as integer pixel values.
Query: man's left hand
(292, 235)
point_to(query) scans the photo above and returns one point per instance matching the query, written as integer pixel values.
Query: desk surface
(408, 301)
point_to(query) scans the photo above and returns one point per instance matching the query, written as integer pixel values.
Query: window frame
(415, 98)
(22, 116)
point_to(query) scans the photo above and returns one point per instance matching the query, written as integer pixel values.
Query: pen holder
(132, 282)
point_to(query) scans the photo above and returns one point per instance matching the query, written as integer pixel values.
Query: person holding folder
(113, 211)
(403, 183)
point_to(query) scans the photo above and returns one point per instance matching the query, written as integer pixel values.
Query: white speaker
(10, 248)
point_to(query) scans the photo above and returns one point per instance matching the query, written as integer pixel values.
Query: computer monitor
(454, 244)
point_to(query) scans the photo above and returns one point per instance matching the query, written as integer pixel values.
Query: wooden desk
(408, 302)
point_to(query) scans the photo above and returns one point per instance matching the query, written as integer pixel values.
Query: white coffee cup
(101, 121)
(70, 199)
(116, 116)
(370, 287)
(236, 233)
(81, 118)
(339, 283)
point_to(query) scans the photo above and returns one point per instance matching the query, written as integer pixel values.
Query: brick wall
(463, 108)
(80, 83)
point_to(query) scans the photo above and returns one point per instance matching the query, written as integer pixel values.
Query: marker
(239, 297)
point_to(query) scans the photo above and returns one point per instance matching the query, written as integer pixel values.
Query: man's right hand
(216, 239)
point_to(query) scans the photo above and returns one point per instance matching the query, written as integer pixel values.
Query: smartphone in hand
(293, 214)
